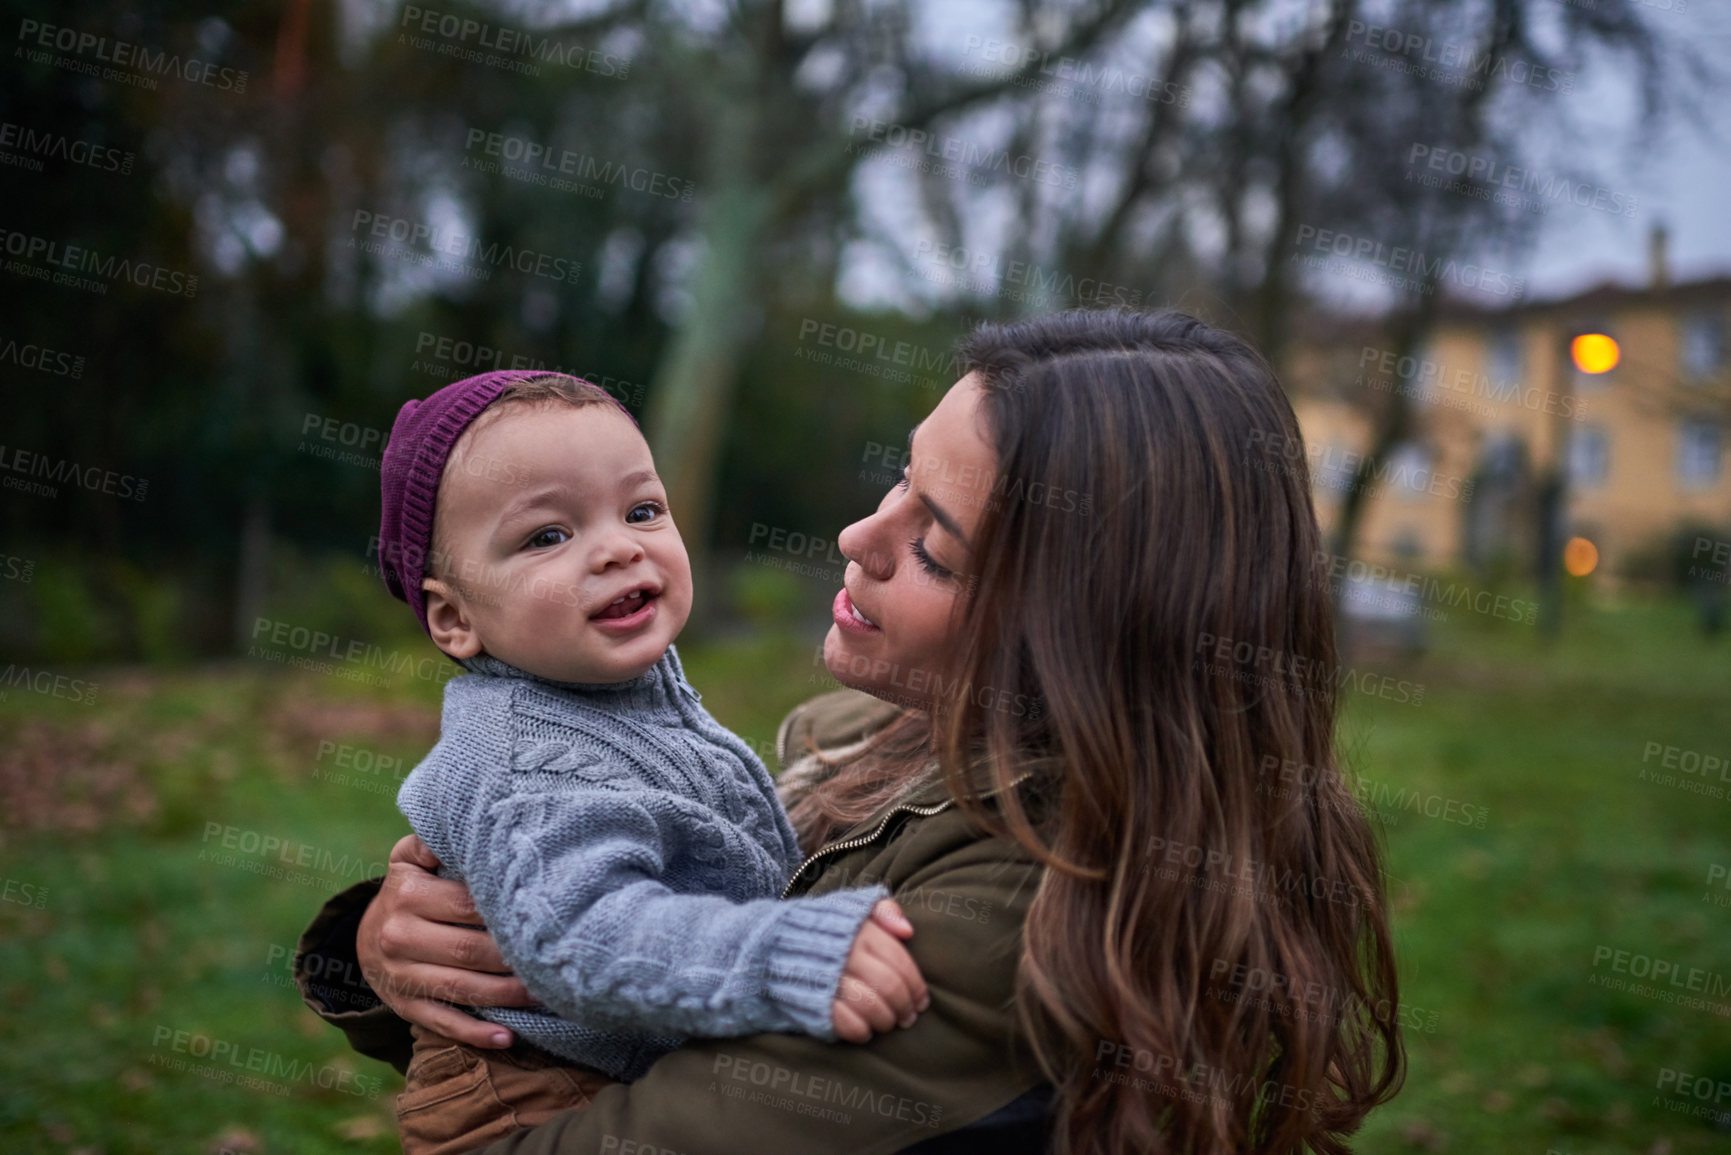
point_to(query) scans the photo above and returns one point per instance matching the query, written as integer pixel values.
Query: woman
(1099, 777)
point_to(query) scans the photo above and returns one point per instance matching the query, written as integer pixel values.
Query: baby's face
(551, 516)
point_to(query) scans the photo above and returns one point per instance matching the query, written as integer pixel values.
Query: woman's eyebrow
(949, 523)
(945, 520)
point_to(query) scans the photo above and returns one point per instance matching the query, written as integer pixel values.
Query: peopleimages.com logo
(119, 60)
(24, 146)
(1397, 266)
(537, 162)
(498, 46)
(29, 355)
(402, 238)
(62, 263)
(1459, 64)
(18, 464)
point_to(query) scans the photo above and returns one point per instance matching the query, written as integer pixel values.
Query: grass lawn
(145, 932)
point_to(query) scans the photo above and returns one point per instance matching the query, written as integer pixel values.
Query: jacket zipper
(925, 811)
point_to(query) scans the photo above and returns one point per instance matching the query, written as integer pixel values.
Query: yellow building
(1494, 399)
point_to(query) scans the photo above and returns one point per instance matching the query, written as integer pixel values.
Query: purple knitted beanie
(421, 440)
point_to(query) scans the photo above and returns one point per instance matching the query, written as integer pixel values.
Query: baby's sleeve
(570, 882)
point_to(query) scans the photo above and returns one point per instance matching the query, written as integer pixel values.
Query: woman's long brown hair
(1207, 965)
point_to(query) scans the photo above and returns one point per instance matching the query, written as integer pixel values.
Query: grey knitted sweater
(626, 851)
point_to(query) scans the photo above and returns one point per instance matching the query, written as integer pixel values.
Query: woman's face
(910, 561)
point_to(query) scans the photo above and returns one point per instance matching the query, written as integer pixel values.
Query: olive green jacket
(967, 895)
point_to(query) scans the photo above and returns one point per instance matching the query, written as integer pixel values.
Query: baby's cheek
(678, 587)
(548, 622)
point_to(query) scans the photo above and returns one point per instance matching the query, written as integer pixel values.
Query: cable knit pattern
(626, 851)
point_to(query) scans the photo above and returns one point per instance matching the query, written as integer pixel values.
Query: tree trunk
(1394, 425)
(694, 383)
(252, 569)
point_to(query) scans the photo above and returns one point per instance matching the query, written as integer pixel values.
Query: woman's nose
(862, 542)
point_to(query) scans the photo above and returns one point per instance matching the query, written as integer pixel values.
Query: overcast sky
(1679, 170)
(1684, 181)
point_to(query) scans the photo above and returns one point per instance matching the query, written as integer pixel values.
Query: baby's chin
(596, 670)
(592, 666)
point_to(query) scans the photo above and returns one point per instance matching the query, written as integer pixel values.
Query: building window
(1408, 469)
(1344, 372)
(1503, 357)
(1703, 344)
(1589, 457)
(1503, 457)
(1697, 454)
(1413, 376)
(1332, 469)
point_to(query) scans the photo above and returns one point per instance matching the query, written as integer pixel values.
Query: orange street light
(1595, 353)
(1591, 353)
(1580, 557)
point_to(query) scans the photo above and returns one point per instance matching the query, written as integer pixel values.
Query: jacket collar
(928, 788)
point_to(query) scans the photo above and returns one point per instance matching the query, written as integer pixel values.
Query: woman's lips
(848, 618)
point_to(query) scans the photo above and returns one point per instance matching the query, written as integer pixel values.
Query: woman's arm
(410, 944)
(762, 1093)
(771, 1093)
(422, 945)
(389, 952)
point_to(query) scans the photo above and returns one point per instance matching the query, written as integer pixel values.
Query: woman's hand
(421, 946)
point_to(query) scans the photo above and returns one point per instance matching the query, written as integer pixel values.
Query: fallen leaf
(1456, 1082)
(361, 1128)
(1423, 1136)
(235, 1141)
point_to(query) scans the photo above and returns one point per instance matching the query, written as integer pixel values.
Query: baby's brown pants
(460, 1097)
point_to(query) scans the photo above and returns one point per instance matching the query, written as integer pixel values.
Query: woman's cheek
(932, 622)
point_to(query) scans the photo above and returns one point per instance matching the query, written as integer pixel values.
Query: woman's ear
(448, 620)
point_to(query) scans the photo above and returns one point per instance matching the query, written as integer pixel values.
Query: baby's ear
(448, 620)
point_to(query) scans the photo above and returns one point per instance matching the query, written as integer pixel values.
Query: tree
(1300, 123)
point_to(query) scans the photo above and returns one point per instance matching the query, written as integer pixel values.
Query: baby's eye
(650, 511)
(551, 536)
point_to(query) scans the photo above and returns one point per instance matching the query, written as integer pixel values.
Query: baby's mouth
(625, 606)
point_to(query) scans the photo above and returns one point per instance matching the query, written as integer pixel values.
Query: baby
(624, 848)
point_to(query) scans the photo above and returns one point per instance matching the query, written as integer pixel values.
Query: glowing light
(1595, 353)
(1580, 557)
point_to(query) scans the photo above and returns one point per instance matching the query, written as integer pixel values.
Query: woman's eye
(903, 482)
(927, 562)
(543, 538)
(650, 511)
